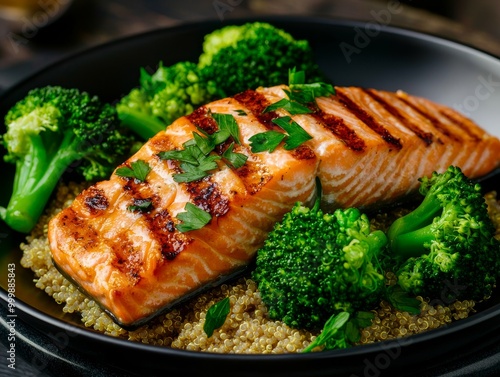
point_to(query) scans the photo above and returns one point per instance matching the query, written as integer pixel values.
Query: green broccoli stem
(408, 234)
(146, 126)
(35, 179)
(411, 244)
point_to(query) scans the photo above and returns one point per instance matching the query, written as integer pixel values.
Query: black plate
(351, 53)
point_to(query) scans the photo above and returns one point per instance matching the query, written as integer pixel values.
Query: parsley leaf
(194, 218)
(206, 144)
(237, 160)
(216, 316)
(179, 155)
(296, 134)
(241, 112)
(226, 122)
(138, 170)
(293, 107)
(266, 141)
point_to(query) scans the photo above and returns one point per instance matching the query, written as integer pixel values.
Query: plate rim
(469, 322)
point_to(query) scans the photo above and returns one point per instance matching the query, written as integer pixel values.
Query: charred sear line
(256, 103)
(337, 126)
(127, 259)
(366, 118)
(426, 137)
(436, 123)
(463, 123)
(96, 200)
(206, 195)
(162, 229)
(201, 118)
(80, 230)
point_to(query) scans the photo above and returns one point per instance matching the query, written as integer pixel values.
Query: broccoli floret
(241, 57)
(50, 131)
(445, 249)
(164, 96)
(314, 265)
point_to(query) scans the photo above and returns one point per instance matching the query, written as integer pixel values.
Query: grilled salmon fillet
(367, 147)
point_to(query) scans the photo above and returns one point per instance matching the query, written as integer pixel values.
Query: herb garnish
(333, 331)
(194, 218)
(196, 159)
(236, 160)
(296, 134)
(141, 205)
(301, 100)
(138, 170)
(216, 316)
(268, 141)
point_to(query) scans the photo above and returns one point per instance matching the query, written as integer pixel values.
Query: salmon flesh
(368, 147)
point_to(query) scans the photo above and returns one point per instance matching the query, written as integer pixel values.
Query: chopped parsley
(268, 141)
(196, 159)
(138, 170)
(227, 123)
(296, 134)
(293, 107)
(216, 316)
(236, 160)
(193, 218)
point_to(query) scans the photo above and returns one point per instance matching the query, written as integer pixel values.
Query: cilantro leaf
(138, 170)
(237, 160)
(216, 316)
(296, 134)
(226, 122)
(194, 218)
(266, 141)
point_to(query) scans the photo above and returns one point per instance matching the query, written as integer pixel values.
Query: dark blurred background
(35, 33)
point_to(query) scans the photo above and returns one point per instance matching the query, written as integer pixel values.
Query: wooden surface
(34, 41)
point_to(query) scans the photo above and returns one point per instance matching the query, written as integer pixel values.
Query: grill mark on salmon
(96, 201)
(171, 241)
(202, 120)
(136, 264)
(207, 196)
(337, 127)
(427, 137)
(369, 120)
(464, 123)
(257, 103)
(432, 119)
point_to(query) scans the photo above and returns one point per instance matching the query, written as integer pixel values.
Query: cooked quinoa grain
(247, 328)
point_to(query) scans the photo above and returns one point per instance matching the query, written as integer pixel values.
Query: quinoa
(248, 328)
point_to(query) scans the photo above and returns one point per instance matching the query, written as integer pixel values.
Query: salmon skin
(367, 147)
